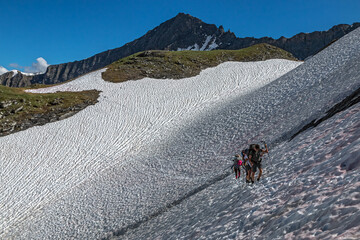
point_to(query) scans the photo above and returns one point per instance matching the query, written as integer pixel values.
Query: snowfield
(305, 194)
(152, 159)
(45, 163)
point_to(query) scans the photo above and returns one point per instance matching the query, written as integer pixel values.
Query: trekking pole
(242, 179)
(231, 167)
(268, 151)
(270, 162)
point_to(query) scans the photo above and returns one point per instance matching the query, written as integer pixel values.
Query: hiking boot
(258, 179)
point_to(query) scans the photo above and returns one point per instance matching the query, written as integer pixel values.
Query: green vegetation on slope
(181, 64)
(20, 110)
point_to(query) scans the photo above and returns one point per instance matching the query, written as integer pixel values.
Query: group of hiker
(250, 160)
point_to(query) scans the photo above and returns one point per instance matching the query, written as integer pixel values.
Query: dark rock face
(178, 33)
(15, 80)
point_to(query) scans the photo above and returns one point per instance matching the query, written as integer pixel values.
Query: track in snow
(306, 192)
(132, 171)
(44, 164)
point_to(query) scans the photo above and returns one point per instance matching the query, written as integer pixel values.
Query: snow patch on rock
(205, 46)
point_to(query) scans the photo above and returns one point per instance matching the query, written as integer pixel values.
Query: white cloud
(3, 70)
(15, 65)
(39, 66)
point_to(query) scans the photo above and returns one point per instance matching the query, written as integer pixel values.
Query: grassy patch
(17, 106)
(181, 64)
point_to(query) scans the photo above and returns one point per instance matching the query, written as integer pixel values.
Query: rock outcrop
(180, 33)
(9, 123)
(161, 64)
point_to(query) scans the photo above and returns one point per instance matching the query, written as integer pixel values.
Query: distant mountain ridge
(180, 33)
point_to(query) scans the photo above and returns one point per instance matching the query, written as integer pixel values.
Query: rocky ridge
(179, 33)
(162, 64)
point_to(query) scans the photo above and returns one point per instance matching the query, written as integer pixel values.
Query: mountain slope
(27, 110)
(180, 32)
(154, 156)
(309, 190)
(53, 164)
(311, 184)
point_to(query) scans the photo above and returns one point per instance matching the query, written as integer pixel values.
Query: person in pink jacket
(237, 165)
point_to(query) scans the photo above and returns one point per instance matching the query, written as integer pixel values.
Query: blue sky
(63, 31)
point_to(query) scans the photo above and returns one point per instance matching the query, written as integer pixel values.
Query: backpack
(252, 146)
(237, 163)
(246, 151)
(255, 156)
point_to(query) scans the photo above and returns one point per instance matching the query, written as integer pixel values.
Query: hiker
(255, 158)
(247, 164)
(236, 166)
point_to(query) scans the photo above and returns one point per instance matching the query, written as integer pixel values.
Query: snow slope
(151, 159)
(311, 187)
(42, 164)
(305, 194)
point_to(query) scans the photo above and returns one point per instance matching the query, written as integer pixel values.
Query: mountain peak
(185, 17)
(186, 20)
(179, 32)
